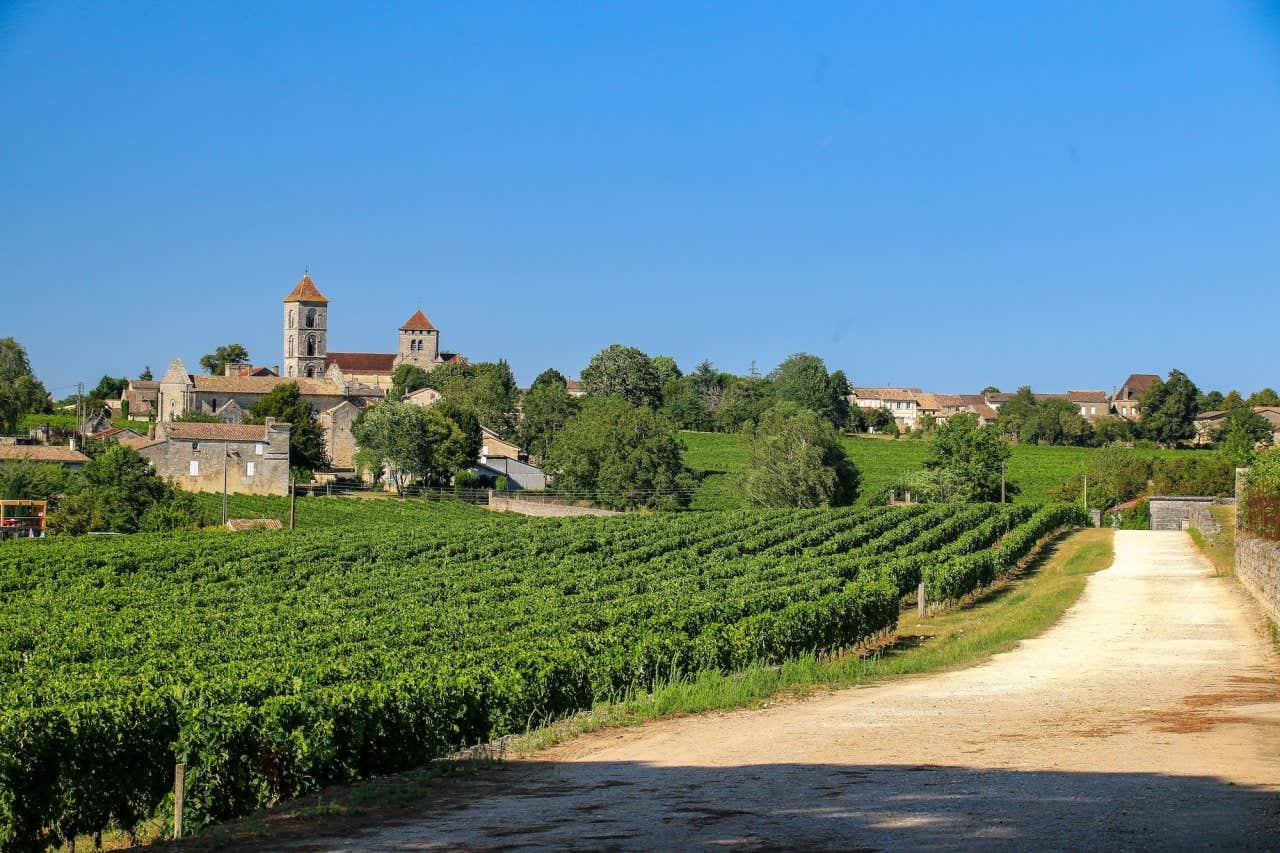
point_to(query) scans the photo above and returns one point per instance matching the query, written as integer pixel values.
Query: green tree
(286, 404)
(1056, 422)
(406, 379)
(623, 372)
(666, 368)
(795, 460)
(1233, 400)
(145, 375)
(414, 443)
(468, 423)
(989, 390)
(708, 384)
(487, 389)
(547, 408)
(1265, 397)
(109, 388)
(121, 493)
(195, 416)
(1211, 402)
(1015, 412)
(20, 392)
(623, 455)
(1115, 475)
(973, 455)
(683, 406)
(1169, 410)
(1113, 430)
(803, 379)
(215, 363)
(1242, 430)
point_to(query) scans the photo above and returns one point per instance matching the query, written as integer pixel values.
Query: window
(1093, 410)
(193, 468)
(257, 450)
(195, 447)
(311, 318)
(311, 370)
(248, 469)
(213, 404)
(311, 344)
(291, 346)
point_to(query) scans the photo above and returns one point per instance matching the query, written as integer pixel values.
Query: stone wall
(1170, 513)
(1201, 519)
(1258, 568)
(542, 509)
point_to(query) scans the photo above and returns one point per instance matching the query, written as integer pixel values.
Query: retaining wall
(1169, 513)
(1258, 568)
(542, 509)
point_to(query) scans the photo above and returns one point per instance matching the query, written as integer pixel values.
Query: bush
(1260, 507)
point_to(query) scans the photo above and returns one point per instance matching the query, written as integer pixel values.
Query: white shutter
(193, 469)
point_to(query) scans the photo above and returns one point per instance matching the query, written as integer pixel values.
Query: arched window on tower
(311, 318)
(311, 371)
(292, 318)
(291, 346)
(311, 344)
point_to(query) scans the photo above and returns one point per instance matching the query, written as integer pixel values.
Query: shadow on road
(627, 805)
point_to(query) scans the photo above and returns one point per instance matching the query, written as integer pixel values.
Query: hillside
(1033, 468)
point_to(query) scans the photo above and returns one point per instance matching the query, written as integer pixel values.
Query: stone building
(196, 456)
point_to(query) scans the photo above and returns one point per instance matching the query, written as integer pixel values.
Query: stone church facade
(336, 384)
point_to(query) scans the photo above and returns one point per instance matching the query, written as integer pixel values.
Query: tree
(1056, 422)
(286, 404)
(745, 399)
(621, 454)
(666, 368)
(795, 460)
(121, 493)
(1016, 411)
(1211, 402)
(1112, 430)
(487, 389)
(547, 408)
(1233, 400)
(414, 443)
(1265, 397)
(708, 384)
(145, 375)
(973, 455)
(406, 379)
(195, 416)
(1242, 430)
(215, 363)
(468, 423)
(1115, 475)
(109, 388)
(623, 372)
(1169, 410)
(20, 391)
(683, 406)
(989, 390)
(880, 420)
(803, 379)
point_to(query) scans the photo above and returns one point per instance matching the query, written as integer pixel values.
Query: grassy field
(1022, 607)
(1220, 547)
(1034, 469)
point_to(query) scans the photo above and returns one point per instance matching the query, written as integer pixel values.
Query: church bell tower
(306, 324)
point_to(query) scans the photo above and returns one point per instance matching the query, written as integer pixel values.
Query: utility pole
(1086, 492)
(293, 500)
(1002, 489)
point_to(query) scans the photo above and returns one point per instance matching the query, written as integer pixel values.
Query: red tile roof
(41, 453)
(217, 432)
(418, 323)
(362, 362)
(1137, 385)
(305, 291)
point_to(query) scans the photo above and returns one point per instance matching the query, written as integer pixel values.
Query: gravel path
(1149, 716)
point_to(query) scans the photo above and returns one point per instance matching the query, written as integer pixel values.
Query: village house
(1093, 405)
(1129, 395)
(1209, 424)
(67, 457)
(200, 457)
(902, 403)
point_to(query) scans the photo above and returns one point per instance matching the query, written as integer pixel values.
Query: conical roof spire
(418, 323)
(306, 291)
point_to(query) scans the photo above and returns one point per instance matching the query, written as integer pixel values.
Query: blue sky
(937, 194)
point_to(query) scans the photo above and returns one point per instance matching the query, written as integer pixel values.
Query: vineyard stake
(179, 788)
(293, 500)
(920, 602)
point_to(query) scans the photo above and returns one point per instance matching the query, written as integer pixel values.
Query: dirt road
(1149, 716)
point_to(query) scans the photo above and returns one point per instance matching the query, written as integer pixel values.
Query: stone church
(306, 352)
(336, 384)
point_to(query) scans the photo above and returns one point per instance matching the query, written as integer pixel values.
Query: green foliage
(1260, 505)
(195, 416)
(415, 444)
(684, 406)
(624, 372)
(1265, 397)
(1044, 421)
(215, 363)
(468, 423)
(1115, 475)
(146, 375)
(547, 408)
(1112, 430)
(1205, 474)
(465, 478)
(619, 454)
(709, 384)
(406, 379)
(272, 664)
(117, 491)
(20, 391)
(487, 389)
(1242, 430)
(973, 455)
(502, 484)
(1169, 410)
(109, 388)
(794, 459)
(743, 400)
(286, 404)
(35, 481)
(666, 368)
(803, 379)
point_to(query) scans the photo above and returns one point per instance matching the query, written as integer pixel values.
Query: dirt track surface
(1149, 716)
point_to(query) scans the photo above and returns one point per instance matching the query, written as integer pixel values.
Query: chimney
(270, 422)
(275, 368)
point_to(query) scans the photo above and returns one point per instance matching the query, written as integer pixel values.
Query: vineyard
(273, 663)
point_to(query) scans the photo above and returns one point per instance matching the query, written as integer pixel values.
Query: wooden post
(293, 501)
(920, 600)
(179, 789)
(1002, 494)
